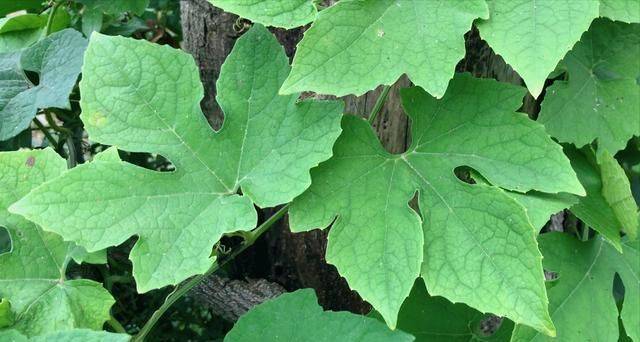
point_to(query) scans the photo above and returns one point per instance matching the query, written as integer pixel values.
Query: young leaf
(608, 207)
(57, 59)
(356, 45)
(601, 98)
(533, 36)
(76, 335)
(581, 302)
(627, 11)
(279, 13)
(479, 247)
(33, 273)
(297, 316)
(143, 97)
(435, 319)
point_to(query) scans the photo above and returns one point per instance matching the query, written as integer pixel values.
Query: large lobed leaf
(479, 247)
(601, 98)
(57, 59)
(279, 13)
(356, 45)
(33, 273)
(143, 97)
(581, 301)
(297, 316)
(533, 35)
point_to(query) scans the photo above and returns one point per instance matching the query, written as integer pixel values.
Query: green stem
(117, 327)
(46, 133)
(585, 233)
(379, 103)
(52, 14)
(72, 160)
(183, 288)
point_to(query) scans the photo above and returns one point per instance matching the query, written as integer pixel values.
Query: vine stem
(52, 14)
(379, 103)
(46, 133)
(182, 289)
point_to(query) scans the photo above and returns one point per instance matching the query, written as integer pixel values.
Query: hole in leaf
(5, 241)
(414, 204)
(149, 161)
(469, 175)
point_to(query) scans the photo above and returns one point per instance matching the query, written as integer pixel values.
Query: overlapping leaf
(298, 317)
(609, 206)
(601, 98)
(20, 31)
(280, 13)
(435, 319)
(142, 97)
(479, 247)
(57, 59)
(581, 301)
(356, 45)
(533, 35)
(33, 273)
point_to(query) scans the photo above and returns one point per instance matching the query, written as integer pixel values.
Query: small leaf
(279, 13)
(609, 206)
(581, 302)
(33, 273)
(354, 46)
(533, 36)
(479, 247)
(297, 316)
(601, 98)
(57, 59)
(143, 97)
(7, 7)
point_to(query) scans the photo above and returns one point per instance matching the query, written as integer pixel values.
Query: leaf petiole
(183, 288)
(379, 103)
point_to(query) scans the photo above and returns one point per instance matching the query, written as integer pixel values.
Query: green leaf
(354, 46)
(76, 335)
(581, 302)
(601, 98)
(434, 319)
(627, 11)
(115, 7)
(609, 206)
(22, 22)
(279, 13)
(297, 316)
(7, 316)
(57, 59)
(143, 97)
(7, 7)
(479, 247)
(33, 274)
(532, 35)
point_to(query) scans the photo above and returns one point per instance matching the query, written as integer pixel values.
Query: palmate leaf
(601, 98)
(533, 35)
(609, 206)
(33, 273)
(76, 335)
(355, 45)
(57, 59)
(581, 301)
(143, 97)
(435, 319)
(479, 247)
(297, 316)
(279, 13)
